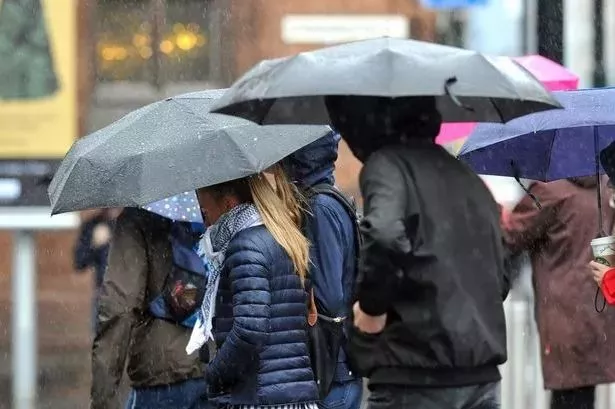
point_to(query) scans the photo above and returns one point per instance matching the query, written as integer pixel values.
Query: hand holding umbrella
(550, 145)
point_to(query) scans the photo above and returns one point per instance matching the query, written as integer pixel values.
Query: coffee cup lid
(603, 240)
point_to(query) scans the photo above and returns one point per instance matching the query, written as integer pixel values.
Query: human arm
(527, 224)
(330, 230)
(120, 305)
(384, 228)
(85, 253)
(251, 295)
(604, 276)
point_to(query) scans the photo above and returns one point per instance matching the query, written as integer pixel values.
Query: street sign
(331, 29)
(452, 4)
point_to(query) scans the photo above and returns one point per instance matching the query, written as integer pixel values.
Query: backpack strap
(349, 205)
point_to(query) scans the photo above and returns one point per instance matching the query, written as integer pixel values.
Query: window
(154, 41)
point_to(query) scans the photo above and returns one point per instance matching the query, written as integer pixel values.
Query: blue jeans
(345, 395)
(190, 394)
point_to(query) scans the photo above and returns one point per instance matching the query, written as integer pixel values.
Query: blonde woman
(258, 262)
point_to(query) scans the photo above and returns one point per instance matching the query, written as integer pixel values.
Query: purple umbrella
(550, 145)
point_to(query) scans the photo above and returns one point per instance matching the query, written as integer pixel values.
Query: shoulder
(386, 155)
(326, 207)
(254, 245)
(385, 163)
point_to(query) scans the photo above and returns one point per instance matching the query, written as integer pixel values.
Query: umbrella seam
(502, 74)
(497, 109)
(550, 155)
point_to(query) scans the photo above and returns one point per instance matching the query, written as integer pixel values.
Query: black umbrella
(166, 148)
(468, 85)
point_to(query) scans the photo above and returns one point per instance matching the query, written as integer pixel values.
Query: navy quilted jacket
(260, 326)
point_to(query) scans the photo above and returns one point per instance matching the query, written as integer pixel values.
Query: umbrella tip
(45, 180)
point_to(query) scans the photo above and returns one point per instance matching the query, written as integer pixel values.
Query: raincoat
(140, 259)
(577, 343)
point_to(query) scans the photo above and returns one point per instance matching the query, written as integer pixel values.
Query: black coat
(86, 255)
(433, 260)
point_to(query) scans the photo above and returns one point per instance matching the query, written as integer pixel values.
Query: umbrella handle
(601, 232)
(516, 175)
(447, 90)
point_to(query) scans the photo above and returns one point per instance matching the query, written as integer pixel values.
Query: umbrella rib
(497, 109)
(550, 156)
(249, 156)
(504, 77)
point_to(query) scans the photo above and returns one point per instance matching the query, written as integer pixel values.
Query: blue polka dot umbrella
(183, 207)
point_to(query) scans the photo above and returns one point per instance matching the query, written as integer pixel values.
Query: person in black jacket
(92, 248)
(429, 326)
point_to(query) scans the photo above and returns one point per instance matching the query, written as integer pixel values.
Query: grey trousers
(468, 397)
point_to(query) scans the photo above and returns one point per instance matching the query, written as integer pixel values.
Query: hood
(586, 182)
(607, 160)
(369, 123)
(314, 163)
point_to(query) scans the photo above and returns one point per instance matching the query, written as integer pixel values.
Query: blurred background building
(134, 52)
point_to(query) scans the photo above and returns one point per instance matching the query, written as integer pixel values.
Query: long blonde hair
(282, 215)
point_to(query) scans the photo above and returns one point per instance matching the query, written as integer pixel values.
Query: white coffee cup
(603, 249)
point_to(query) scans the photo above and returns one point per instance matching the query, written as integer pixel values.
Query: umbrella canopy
(166, 148)
(552, 75)
(183, 207)
(549, 145)
(468, 86)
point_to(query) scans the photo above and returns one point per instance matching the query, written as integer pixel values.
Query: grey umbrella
(169, 147)
(469, 86)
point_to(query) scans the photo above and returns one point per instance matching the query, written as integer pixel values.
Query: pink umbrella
(551, 74)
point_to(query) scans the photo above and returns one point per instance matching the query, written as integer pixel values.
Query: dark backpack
(326, 334)
(184, 287)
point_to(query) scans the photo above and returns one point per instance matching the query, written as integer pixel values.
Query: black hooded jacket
(433, 260)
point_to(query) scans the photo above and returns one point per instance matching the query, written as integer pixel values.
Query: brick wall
(256, 23)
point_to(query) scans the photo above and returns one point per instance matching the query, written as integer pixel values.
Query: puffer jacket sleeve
(248, 272)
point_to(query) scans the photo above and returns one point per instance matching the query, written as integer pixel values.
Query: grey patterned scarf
(212, 250)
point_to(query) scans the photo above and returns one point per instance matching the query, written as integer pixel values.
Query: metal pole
(214, 17)
(579, 39)
(517, 351)
(530, 30)
(550, 29)
(599, 74)
(609, 41)
(506, 394)
(158, 21)
(24, 348)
